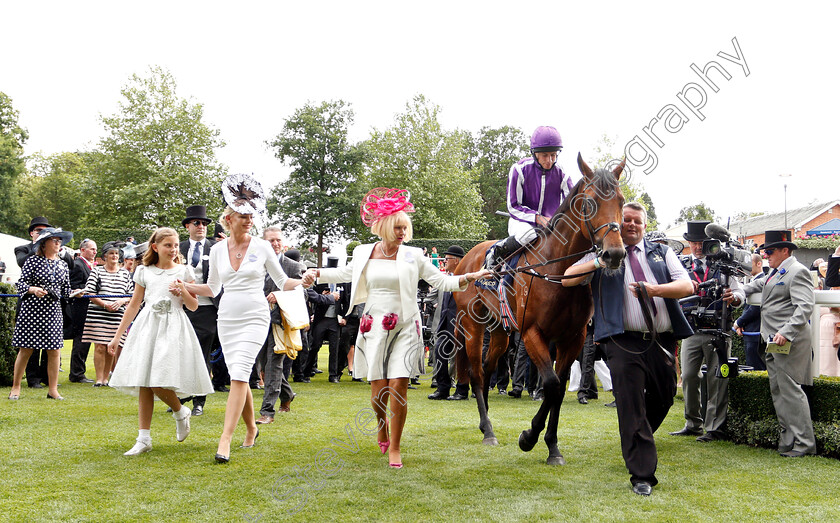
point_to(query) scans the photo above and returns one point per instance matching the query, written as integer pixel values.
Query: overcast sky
(589, 69)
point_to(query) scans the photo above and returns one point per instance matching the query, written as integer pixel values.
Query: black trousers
(299, 363)
(80, 351)
(36, 368)
(644, 385)
(325, 330)
(203, 320)
(444, 354)
(347, 338)
(589, 354)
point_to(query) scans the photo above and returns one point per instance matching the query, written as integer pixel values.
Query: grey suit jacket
(786, 303)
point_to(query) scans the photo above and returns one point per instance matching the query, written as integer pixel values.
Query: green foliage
(352, 245)
(54, 187)
(12, 138)
(696, 212)
(818, 242)
(417, 154)
(490, 155)
(157, 158)
(103, 235)
(647, 201)
(7, 329)
(443, 243)
(320, 200)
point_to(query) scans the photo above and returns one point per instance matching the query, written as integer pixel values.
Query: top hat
(196, 212)
(218, 231)
(38, 220)
(52, 232)
(292, 254)
(141, 249)
(696, 231)
(777, 239)
(332, 262)
(455, 250)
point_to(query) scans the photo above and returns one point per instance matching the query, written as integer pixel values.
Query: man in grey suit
(787, 298)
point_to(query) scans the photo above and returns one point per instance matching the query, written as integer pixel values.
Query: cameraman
(700, 347)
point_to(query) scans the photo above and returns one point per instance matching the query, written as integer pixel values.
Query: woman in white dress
(239, 264)
(384, 276)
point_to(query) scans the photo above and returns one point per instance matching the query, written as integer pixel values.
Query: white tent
(7, 254)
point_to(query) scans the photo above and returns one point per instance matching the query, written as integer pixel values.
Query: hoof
(490, 441)
(555, 460)
(524, 444)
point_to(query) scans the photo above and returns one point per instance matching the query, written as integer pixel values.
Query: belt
(637, 335)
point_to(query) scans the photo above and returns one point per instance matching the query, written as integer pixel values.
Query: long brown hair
(150, 257)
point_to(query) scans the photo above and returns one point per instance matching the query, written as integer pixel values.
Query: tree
(417, 154)
(320, 199)
(646, 200)
(490, 154)
(12, 165)
(605, 158)
(696, 212)
(55, 187)
(158, 157)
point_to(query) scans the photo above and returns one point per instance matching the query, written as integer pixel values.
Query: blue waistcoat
(609, 313)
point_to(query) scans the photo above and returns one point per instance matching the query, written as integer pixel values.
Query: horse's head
(598, 206)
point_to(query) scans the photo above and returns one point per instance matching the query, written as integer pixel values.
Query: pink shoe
(383, 446)
(395, 465)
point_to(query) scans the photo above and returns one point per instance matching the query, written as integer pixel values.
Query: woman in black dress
(44, 280)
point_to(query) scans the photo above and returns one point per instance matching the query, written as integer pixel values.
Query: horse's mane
(602, 179)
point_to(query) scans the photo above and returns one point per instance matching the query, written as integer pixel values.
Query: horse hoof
(490, 441)
(555, 460)
(524, 444)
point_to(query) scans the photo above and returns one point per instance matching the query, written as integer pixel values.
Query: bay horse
(544, 311)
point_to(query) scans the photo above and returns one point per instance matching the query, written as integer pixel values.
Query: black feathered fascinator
(243, 194)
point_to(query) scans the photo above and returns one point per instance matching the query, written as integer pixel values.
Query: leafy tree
(696, 212)
(12, 165)
(320, 200)
(55, 187)
(158, 157)
(646, 200)
(490, 154)
(606, 158)
(417, 154)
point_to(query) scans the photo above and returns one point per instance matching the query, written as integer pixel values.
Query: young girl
(161, 355)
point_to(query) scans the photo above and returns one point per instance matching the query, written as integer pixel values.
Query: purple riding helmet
(545, 139)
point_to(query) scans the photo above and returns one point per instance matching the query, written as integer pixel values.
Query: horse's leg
(472, 332)
(537, 349)
(565, 356)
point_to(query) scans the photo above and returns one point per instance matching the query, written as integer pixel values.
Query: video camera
(722, 252)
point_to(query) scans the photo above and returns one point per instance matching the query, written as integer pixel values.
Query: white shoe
(141, 446)
(182, 425)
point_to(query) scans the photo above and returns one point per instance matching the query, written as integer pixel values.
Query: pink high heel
(395, 465)
(383, 446)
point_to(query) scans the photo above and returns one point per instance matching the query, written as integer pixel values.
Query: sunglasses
(198, 223)
(769, 252)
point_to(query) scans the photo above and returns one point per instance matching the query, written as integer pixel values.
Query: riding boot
(499, 252)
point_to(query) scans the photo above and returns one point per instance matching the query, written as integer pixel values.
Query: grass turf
(63, 461)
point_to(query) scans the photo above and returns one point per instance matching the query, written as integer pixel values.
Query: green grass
(63, 461)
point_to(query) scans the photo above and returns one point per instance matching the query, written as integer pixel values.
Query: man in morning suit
(832, 273)
(79, 273)
(787, 299)
(642, 368)
(750, 321)
(196, 252)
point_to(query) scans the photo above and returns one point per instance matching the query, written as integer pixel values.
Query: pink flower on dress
(389, 321)
(365, 323)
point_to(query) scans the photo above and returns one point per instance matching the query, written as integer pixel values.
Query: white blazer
(411, 267)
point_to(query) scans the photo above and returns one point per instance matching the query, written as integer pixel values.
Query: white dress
(243, 319)
(161, 349)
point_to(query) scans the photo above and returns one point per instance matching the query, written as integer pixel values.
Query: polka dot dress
(40, 321)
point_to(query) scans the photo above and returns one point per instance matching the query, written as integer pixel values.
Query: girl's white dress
(161, 349)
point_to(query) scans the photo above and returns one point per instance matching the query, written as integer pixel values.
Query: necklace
(238, 255)
(382, 250)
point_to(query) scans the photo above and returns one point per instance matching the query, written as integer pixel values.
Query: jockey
(536, 188)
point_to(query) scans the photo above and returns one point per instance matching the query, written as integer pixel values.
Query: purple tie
(638, 273)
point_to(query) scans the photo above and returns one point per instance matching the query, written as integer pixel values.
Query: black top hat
(218, 231)
(332, 262)
(777, 239)
(38, 221)
(196, 212)
(455, 250)
(696, 231)
(292, 254)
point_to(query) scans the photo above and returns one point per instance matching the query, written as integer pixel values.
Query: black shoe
(317, 371)
(685, 431)
(642, 488)
(222, 459)
(582, 400)
(302, 380)
(83, 380)
(198, 410)
(221, 388)
(793, 454)
(538, 396)
(412, 387)
(334, 380)
(503, 392)
(415, 381)
(434, 384)
(357, 379)
(515, 393)
(457, 397)
(54, 397)
(711, 436)
(35, 386)
(610, 404)
(439, 395)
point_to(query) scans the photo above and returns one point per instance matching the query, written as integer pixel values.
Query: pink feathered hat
(382, 202)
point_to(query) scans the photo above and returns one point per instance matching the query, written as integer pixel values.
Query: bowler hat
(196, 212)
(696, 231)
(38, 221)
(455, 250)
(777, 239)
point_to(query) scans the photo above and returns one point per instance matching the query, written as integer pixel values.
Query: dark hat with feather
(243, 194)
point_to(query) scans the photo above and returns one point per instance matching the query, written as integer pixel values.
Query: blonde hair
(384, 227)
(150, 257)
(227, 212)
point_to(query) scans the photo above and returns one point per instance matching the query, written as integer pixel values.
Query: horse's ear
(584, 169)
(620, 168)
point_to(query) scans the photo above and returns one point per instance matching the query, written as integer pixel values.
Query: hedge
(443, 243)
(103, 235)
(752, 418)
(7, 328)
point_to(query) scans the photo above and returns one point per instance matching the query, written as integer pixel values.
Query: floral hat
(243, 194)
(382, 202)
